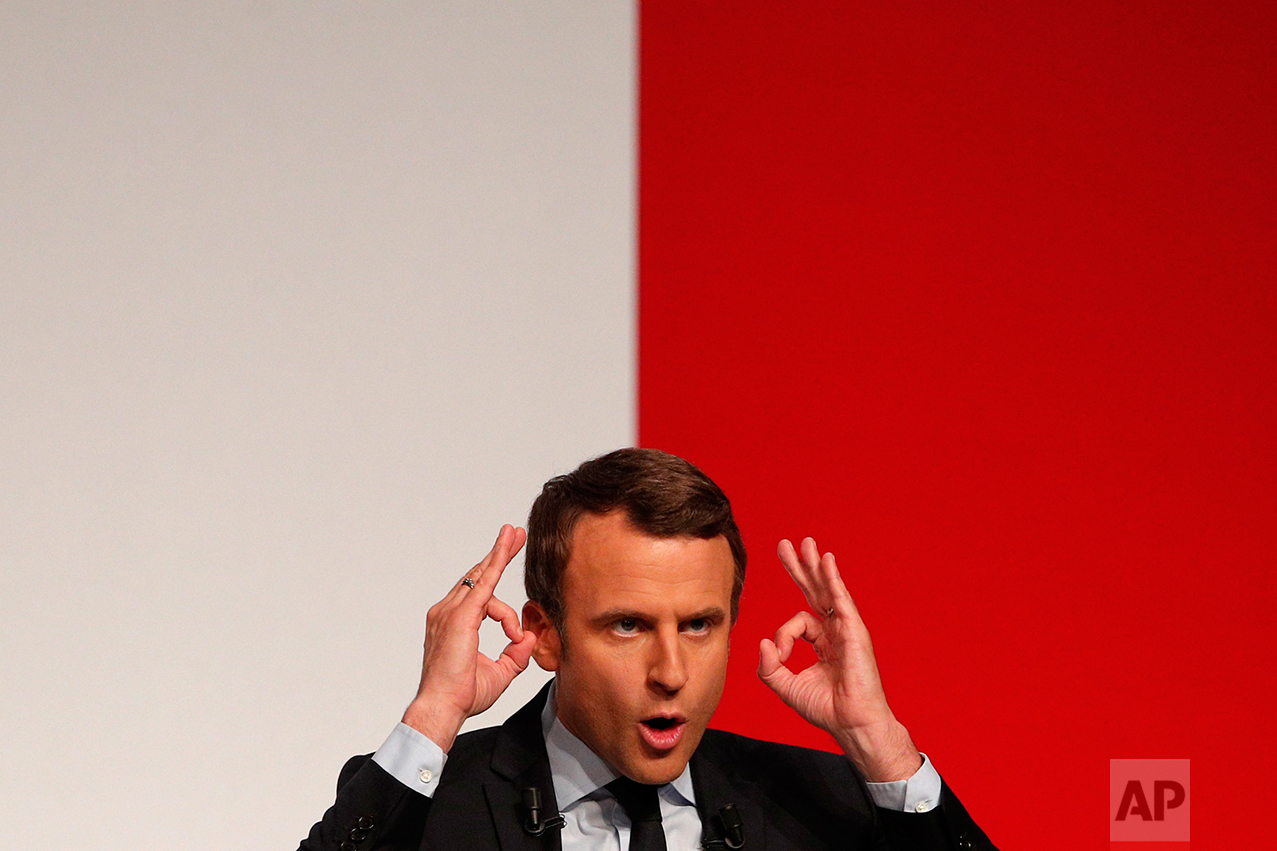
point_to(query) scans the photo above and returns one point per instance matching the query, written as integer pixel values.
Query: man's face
(646, 623)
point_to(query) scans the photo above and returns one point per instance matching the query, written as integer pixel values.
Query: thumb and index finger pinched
(456, 679)
(820, 581)
(482, 595)
(514, 659)
(476, 590)
(774, 652)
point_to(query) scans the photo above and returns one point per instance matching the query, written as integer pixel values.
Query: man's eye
(627, 626)
(697, 625)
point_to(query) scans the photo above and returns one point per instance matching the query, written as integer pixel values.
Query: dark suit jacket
(787, 797)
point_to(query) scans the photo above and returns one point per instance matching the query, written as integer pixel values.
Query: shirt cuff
(919, 794)
(412, 759)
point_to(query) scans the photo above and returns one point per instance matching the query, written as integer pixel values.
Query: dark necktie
(644, 810)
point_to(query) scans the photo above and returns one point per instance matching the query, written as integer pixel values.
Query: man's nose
(668, 671)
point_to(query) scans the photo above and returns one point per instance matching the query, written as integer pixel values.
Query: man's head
(660, 494)
(634, 571)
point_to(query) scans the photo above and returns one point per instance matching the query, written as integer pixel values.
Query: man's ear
(548, 649)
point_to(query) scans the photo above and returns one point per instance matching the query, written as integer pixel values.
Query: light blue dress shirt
(593, 819)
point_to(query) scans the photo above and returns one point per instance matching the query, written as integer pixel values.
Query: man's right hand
(458, 681)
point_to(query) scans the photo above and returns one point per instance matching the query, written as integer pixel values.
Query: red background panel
(983, 299)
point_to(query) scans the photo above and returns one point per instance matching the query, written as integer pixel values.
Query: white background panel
(298, 303)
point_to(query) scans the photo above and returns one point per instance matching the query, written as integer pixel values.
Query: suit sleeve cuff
(919, 794)
(412, 759)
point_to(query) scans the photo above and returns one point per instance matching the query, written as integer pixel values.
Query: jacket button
(358, 835)
(346, 846)
(964, 841)
(366, 823)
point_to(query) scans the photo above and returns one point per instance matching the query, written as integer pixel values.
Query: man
(634, 573)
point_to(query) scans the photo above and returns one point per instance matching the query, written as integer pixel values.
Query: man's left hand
(842, 692)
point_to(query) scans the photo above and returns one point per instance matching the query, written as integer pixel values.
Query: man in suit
(634, 572)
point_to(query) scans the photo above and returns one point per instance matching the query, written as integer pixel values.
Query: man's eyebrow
(711, 613)
(618, 615)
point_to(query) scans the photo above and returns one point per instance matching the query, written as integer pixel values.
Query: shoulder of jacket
(751, 756)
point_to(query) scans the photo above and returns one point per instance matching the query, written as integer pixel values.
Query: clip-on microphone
(534, 825)
(732, 829)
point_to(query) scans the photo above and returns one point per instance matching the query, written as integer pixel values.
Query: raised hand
(842, 692)
(458, 681)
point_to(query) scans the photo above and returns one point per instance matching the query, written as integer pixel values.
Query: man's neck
(578, 771)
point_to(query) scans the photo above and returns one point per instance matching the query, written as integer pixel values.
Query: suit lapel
(715, 790)
(519, 760)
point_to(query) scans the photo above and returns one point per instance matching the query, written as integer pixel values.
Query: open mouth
(662, 732)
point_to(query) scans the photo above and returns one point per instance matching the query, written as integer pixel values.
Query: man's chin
(656, 771)
(658, 766)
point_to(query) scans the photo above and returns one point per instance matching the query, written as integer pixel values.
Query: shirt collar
(579, 772)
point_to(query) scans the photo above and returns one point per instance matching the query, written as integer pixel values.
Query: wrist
(882, 752)
(436, 723)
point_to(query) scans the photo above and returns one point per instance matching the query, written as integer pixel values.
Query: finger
(460, 589)
(771, 670)
(793, 566)
(500, 550)
(508, 546)
(514, 658)
(843, 604)
(478, 603)
(486, 574)
(827, 585)
(802, 564)
(788, 556)
(455, 594)
(509, 619)
(511, 542)
(491, 554)
(810, 554)
(803, 625)
(839, 598)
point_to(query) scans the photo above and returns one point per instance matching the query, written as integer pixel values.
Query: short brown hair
(661, 495)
